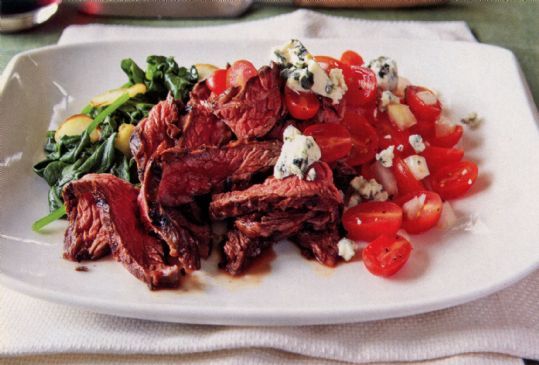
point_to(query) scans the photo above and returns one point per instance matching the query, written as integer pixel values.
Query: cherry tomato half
(328, 63)
(217, 81)
(351, 58)
(406, 182)
(453, 181)
(446, 140)
(361, 82)
(389, 135)
(364, 138)
(334, 140)
(239, 73)
(438, 157)
(301, 105)
(386, 255)
(423, 103)
(366, 221)
(420, 218)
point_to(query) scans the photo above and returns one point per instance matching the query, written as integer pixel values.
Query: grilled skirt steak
(275, 194)
(176, 176)
(251, 111)
(159, 130)
(103, 212)
(200, 126)
(321, 245)
(239, 250)
(279, 209)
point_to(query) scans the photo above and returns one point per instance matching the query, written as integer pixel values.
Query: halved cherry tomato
(367, 171)
(422, 110)
(362, 85)
(424, 217)
(217, 81)
(301, 105)
(453, 181)
(364, 138)
(334, 140)
(438, 157)
(406, 182)
(389, 135)
(366, 221)
(423, 128)
(386, 255)
(239, 73)
(447, 140)
(351, 58)
(328, 63)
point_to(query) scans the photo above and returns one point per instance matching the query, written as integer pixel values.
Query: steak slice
(279, 209)
(239, 250)
(280, 194)
(103, 208)
(158, 131)
(329, 112)
(176, 176)
(252, 110)
(200, 126)
(277, 225)
(320, 245)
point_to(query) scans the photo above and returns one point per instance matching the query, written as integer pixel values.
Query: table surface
(511, 25)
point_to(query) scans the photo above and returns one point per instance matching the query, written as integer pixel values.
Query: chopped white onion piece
(448, 218)
(418, 166)
(385, 176)
(427, 97)
(413, 207)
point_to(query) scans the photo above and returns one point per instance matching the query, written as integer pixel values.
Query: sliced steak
(277, 225)
(329, 112)
(275, 194)
(158, 131)
(85, 238)
(321, 245)
(103, 208)
(200, 126)
(239, 250)
(279, 209)
(252, 110)
(175, 177)
(343, 174)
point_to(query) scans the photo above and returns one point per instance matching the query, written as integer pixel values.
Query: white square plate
(495, 245)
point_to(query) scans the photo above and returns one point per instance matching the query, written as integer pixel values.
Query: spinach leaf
(74, 156)
(54, 198)
(134, 73)
(163, 75)
(53, 172)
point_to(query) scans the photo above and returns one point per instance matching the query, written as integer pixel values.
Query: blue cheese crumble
(347, 249)
(387, 98)
(416, 141)
(368, 189)
(385, 157)
(298, 153)
(386, 72)
(472, 120)
(304, 74)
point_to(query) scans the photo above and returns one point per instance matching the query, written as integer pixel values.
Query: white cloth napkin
(498, 329)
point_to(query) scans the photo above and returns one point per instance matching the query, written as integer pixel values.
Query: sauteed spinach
(70, 156)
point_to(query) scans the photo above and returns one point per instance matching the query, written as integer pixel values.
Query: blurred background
(509, 24)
